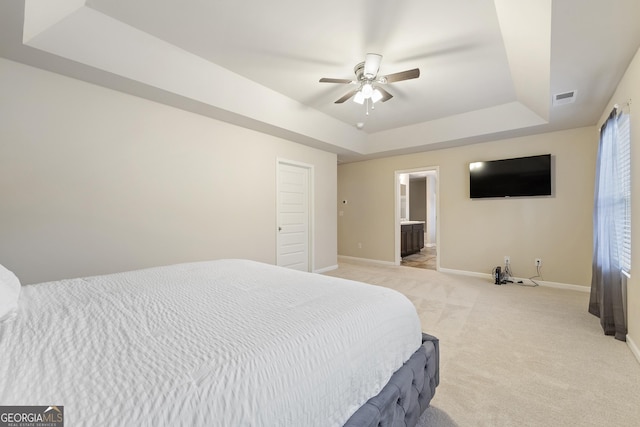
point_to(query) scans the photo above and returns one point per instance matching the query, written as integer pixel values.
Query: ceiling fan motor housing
(359, 71)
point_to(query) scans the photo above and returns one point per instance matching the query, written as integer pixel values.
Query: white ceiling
(489, 68)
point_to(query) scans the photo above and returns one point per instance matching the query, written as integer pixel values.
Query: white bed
(220, 343)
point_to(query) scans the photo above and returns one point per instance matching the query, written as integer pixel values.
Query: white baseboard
(634, 348)
(563, 286)
(479, 275)
(365, 260)
(325, 269)
(525, 281)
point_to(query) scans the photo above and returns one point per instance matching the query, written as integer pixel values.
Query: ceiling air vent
(564, 98)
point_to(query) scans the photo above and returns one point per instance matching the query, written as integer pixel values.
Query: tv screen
(518, 177)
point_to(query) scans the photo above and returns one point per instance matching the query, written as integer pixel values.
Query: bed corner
(407, 394)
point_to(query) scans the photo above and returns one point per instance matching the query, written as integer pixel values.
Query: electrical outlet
(359, 245)
(507, 260)
(538, 262)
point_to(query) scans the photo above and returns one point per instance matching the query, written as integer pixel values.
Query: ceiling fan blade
(328, 80)
(345, 97)
(372, 65)
(385, 95)
(403, 75)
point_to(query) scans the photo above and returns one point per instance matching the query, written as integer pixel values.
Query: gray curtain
(608, 214)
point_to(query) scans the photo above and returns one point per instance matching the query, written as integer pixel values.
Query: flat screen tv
(518, 177)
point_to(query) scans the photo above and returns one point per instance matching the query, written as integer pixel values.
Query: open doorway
(416, 218)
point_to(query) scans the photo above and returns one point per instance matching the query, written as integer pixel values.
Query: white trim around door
(396, 223)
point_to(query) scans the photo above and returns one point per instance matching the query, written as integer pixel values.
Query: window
(612, 225)
(624, 168)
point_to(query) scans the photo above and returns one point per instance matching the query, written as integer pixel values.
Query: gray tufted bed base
(407, 394)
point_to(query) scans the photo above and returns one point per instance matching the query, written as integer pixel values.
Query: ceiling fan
(369, 82)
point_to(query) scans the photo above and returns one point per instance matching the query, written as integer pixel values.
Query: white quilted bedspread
(220, 343)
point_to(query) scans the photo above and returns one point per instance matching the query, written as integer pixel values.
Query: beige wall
(475, 235)
(95, 181)
(629, 90)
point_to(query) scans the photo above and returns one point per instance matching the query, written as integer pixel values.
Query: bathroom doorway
(416, 218)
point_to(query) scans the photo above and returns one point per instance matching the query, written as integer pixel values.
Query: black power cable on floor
(506, 276)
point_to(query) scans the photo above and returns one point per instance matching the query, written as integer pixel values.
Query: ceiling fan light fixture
(359, 98)
(376, 96)
(367, 90)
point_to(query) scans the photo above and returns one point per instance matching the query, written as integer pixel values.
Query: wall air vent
(564, 98)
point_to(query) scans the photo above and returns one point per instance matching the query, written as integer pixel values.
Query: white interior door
(293, 216)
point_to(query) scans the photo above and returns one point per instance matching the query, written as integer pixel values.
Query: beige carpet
(514, 355)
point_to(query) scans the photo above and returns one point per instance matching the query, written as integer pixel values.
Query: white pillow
(9, 293)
